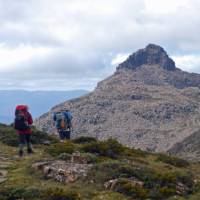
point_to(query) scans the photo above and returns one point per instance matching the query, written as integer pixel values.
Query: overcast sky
(73, 44)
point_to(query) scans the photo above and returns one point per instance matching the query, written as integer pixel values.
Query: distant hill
(38, 101)
(147, 103)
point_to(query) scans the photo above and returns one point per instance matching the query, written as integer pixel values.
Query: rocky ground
(4, 164)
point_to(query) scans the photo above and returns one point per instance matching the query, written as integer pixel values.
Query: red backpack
(21, 122)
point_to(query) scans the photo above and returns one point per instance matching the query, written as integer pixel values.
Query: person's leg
(21, 144)
(67, 134)
(28, 142)
(61, 135)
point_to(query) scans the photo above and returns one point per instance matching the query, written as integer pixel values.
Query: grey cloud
(93, 36)
(13, 37)
(63, 63)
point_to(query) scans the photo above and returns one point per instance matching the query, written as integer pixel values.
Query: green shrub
(197, 187)
(19, 193)
(108, 170)
(109, 148)
(131, 152)
(157, 185)
(60, 148)
(109, 196)
(185, 177)
(167, 192)
(38, 193)
(64, 156)
(15, 193)
(8, 135)
(177, 162)
(91, 158)
(170, 178)
(60, 194)
(126, 187)
(83, 140)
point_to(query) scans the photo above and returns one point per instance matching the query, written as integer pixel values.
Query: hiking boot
(30, 151)
(20, 153)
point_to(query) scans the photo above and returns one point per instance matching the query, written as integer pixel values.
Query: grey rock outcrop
(151, 55)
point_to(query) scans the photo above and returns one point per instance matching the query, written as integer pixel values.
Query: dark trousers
(64, 134)
(24, 139)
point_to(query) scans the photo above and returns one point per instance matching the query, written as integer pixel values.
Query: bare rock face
(147, 103)
(151, 55)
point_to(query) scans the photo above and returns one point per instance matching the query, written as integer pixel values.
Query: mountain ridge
(148, 106)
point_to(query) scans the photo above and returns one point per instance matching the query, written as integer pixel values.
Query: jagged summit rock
(151, 55)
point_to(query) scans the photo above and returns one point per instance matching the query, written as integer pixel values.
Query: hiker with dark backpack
(63, 123)
(23, 120)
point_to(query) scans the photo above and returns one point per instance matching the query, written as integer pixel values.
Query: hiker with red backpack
(23, 120)
(63, 123)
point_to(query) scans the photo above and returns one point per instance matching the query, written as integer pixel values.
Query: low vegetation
(58, 149)
(38, 193)
(9, 136)
(177, 162)
(109, 148)
(136, 174)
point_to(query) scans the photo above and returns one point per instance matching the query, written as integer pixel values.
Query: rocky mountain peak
(152, 107)
(151, 55)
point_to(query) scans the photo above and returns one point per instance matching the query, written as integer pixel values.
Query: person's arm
(30, 119)
(54, 117)
(71, 120)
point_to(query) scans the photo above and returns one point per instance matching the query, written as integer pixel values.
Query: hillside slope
(99, 170)
(147, 103)
(189, 148)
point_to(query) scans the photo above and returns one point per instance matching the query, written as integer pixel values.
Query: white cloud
(166, 6)
(119, 58)
(190, 63)
(11, 58)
